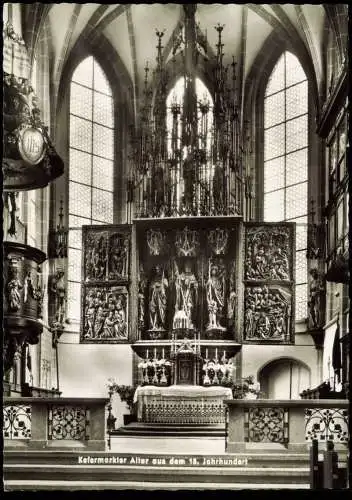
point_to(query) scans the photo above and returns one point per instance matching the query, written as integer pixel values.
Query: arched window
(286, 159)
(91, 165)
(174, 129)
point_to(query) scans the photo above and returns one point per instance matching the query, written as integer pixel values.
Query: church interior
(175, 237)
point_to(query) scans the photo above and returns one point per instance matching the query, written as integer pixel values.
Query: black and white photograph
(175, 247)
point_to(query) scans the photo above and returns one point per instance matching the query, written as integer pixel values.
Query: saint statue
(316, 293)
(13, 287)
(158, 300)
(215, 296)
(186, 286)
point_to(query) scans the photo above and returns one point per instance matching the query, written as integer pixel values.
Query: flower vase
(250, 395)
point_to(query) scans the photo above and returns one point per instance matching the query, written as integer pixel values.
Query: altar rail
(56, 423)
(265, 424)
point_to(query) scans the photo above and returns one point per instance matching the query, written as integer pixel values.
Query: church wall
(254, 357)
(84, 370)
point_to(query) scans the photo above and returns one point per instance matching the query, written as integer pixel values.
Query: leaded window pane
(83, 74)
(103, 173)
(296, 200)
(81, 134)
(77, 222)
(74, 299)
(274, 206)
(301, 301)
(277, 79)
(102, 205)
(100, 82)
(75, 237)
(297, 167)
(102, 109)
(80, 167)
(301, 236)
(81, 101)
(274, 109)
(103, 141)
(297, 133)
(74, 263)
(80, 199)
(301, 267)
(274, 174)
(294, 70)
(296, 100)
(274, 142)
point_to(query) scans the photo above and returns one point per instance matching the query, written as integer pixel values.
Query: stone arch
(284, 377)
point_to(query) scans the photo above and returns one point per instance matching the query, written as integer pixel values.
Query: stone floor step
(142, 485)
(178, 474)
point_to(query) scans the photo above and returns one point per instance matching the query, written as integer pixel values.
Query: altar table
(181, 404)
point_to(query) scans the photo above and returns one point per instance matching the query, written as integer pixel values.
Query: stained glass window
(286, 159)
(91, 172)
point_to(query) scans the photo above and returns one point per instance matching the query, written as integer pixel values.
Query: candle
(163, 353)
(155, 353)
(216, 353)
(224, 355)
(206, 353)
(147, 353)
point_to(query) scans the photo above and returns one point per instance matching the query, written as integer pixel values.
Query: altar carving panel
(269, 252)
(269, 283)
(105, 287)
(187, 281)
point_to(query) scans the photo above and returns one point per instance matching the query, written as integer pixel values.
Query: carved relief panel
(105, 287)
(187, 280)
(269, 283)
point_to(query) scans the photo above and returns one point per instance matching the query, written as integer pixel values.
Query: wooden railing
(291, 425)
(55, 423)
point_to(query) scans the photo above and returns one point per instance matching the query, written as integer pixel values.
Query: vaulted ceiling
(130, 29)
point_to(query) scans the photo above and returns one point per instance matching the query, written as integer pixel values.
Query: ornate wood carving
(105, 314)
(23, 297)
(269, 284)
(268, 253)
(105, 292)
(268, 313)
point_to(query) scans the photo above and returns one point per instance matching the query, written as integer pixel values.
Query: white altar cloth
(181, 403)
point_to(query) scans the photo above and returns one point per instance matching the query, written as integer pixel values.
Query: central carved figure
(186, 287)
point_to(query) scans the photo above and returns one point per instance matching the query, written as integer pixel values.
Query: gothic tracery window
(286, 159)
(91, 165)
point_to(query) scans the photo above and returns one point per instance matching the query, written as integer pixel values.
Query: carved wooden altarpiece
(105, 286)
(269, 283)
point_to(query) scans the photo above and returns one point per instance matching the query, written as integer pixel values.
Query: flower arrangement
(126, 393)
(247, 388)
